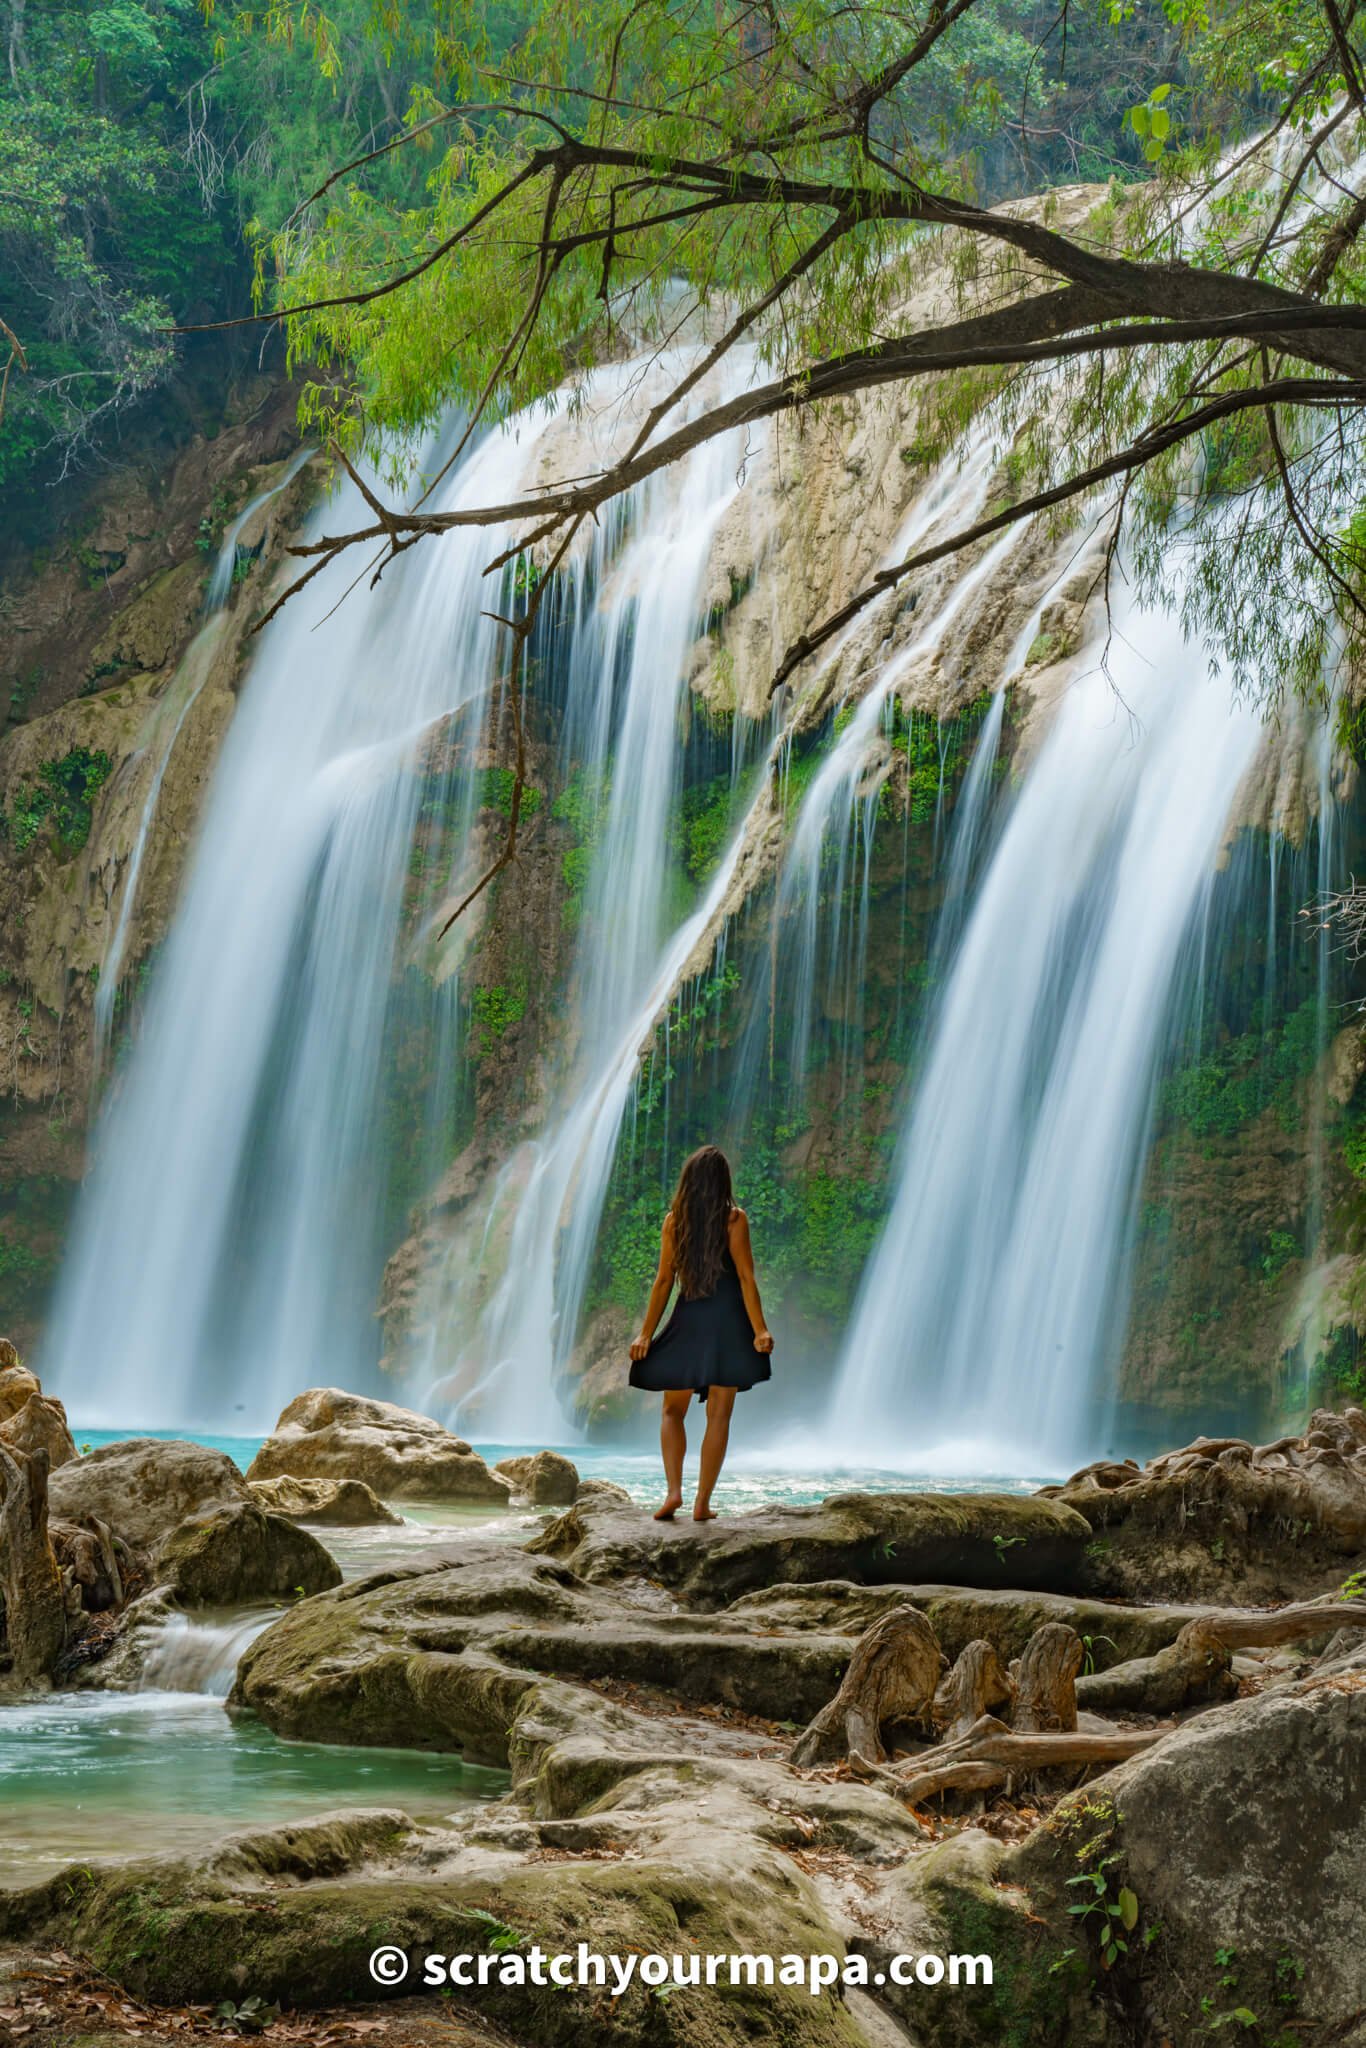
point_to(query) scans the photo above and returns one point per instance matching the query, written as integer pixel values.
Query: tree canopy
(1194, 340)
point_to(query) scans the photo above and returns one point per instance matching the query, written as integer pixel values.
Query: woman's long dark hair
(701, 1212)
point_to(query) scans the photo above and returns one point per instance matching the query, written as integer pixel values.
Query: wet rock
(603, 1489)
(545, 1479)
(238, 1553)
(343, 1503)
(1222, 1519)
(144, 1488)
(328, 1434)
(964, 1539)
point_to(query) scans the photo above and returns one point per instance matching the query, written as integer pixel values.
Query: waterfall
(228, 1246)
(628, 681)
(167, 723)
(994, 1303)
(193, 1655)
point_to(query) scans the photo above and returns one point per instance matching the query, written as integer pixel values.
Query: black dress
(707, 1342)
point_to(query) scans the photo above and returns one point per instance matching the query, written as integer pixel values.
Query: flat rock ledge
(400, 1455)
(981, 1539)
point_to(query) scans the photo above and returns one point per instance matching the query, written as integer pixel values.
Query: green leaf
(1128, 1909)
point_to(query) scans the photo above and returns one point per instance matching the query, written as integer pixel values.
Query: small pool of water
(98, 1777)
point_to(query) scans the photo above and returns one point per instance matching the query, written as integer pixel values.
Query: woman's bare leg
(720, 1401)
(673, 1444)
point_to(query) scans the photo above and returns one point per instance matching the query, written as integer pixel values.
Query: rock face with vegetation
(328, 1434)
(862, 1766)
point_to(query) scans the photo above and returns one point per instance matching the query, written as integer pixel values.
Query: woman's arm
(659, 1293)
(743, 1255)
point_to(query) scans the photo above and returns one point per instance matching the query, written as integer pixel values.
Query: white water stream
(994, 1303)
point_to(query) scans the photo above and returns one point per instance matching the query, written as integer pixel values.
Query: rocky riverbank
(888, 1724)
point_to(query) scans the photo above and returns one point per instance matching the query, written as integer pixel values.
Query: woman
(707, 1346)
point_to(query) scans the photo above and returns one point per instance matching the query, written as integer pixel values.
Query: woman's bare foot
(670, 1508)
(702, 1513)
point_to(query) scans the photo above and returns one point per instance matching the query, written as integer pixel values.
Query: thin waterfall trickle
(995, 1300)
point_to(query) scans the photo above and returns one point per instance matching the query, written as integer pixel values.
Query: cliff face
(1246, 1289)
(118, 696)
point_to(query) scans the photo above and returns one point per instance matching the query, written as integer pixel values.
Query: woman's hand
(763, 1341)
(640, 1348)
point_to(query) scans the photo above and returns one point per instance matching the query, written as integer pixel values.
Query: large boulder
(40, 1423)
(982, 1539)
(328, 1434)
(143, 1488)
(342, 1503)
(1242, 1839)
(544, 1478)
(1223, 1519)
(238, 1553)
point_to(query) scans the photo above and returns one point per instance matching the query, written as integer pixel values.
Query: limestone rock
(440, 1656)
(1225, 1519)
(144, 1488)
(17, 1383)
(344, 1503)
(980, 1539)
(41, 1421)
(239, 1553)
(603, 1489)
(328, 1434)
(1244, 1830)
(546, 1479)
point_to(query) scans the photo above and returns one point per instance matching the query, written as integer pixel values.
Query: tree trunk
(35, 1607)
(892, 1677)
(1045, 1681)
(977, 1683)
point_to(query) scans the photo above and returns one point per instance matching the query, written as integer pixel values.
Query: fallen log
(892, 1677)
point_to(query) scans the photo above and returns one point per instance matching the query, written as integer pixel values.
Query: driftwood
(892, 1677)
(977, 1683)
(1045, 1675)
(30, 1580)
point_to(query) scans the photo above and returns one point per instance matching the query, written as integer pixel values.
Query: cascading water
(624, 733)
(994, 1302)
(227, 1249)
(229, 1246)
